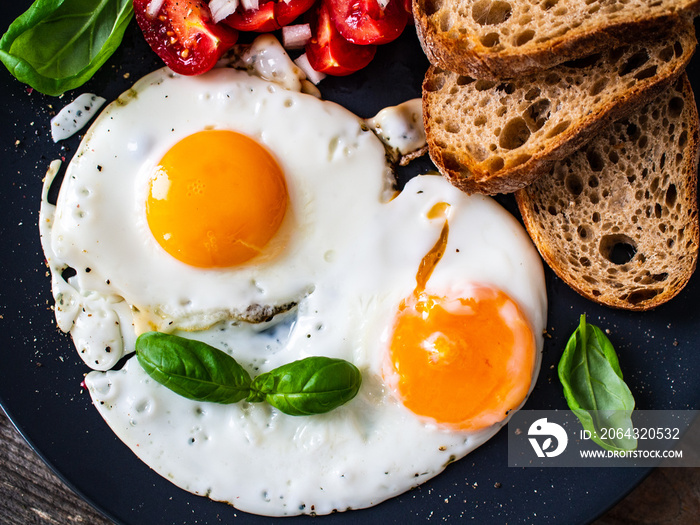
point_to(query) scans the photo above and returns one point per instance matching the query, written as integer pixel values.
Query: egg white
(354, 256)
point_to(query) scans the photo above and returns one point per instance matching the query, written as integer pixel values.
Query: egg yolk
(216, 199)
(464, 362)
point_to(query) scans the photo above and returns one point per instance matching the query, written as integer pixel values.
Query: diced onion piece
(296, 36)
(314, 76)
(309, 88)
(220, 9)
(153, 7)
(250, 4)
(383, 3)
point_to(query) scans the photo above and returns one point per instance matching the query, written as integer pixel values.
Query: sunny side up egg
(261, 220)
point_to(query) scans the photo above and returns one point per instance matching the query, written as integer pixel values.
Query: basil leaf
(57, 45)
(310, 386)
(191, 368)
(201, 372)
(594, 388)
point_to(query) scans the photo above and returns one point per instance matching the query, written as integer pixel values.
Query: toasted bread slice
(498, 136)
(618, 220)
(495, 39)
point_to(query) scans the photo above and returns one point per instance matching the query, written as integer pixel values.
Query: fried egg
(173, 259)
(436, 296)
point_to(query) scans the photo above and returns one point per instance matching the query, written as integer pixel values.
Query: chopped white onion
(74, 116)
(296, 36)
(153, 7)
(249, 4)
(310, 89)
(220, 9)
(383, 3)
(314, 76)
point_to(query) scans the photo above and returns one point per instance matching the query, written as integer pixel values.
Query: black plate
(40, 372)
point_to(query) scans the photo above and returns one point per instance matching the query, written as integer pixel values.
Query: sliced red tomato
(366, 22)
(184, 35)
(328, 52)
(269, 16)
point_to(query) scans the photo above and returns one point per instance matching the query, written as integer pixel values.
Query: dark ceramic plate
(40, 372)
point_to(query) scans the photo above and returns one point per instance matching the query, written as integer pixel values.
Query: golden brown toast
(498, 136)
(497, 39)
(618, 220)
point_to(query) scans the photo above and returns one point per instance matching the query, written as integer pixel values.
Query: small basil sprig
(594, 389)
(198, 371)
(57, 45)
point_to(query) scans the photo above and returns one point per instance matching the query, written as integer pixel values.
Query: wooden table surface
(30, 494)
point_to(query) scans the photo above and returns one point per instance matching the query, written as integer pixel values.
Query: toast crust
(467, 121)
(634, 186)
(462, 49)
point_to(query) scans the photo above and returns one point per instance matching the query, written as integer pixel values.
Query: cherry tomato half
(269, 16)
(366, 22)
(183, 35)
(328, 52)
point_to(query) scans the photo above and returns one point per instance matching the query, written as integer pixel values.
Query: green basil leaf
(594, 388)
(57, 45)
(310, 386)
(191, 368)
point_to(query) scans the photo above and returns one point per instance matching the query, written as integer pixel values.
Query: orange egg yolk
(216, 199)
(463, 362)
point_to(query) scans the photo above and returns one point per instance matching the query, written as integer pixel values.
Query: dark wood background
(30, 494)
